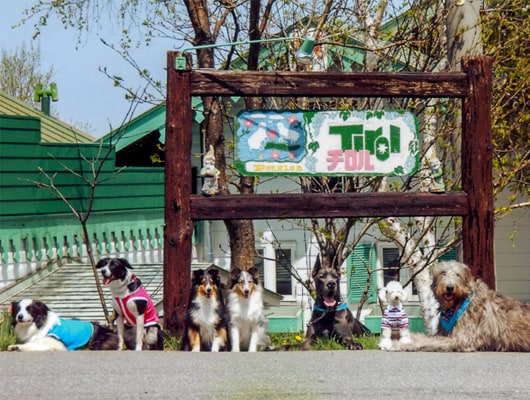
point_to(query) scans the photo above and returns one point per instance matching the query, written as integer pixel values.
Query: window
(274, 266)
(389, 258)
(284, 283)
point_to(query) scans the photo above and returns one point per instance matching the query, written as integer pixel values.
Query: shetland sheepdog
(40, 329)
(248, 325)
(205, 326)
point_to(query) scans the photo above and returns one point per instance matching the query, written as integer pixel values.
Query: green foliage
(292, 340)
(171, 343)
(368, 342)
(7, 335)
(506, 35)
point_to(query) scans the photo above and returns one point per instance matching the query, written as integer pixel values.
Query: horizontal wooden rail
(319, 84)
(319, 205)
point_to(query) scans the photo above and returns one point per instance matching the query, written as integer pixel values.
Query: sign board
(327, 143)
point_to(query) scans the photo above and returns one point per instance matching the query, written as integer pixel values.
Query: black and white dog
(40, 329)
(137, 320)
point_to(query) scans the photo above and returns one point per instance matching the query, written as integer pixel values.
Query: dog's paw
(385, 344)
(13, 347)
(354, 346)
(405, 340)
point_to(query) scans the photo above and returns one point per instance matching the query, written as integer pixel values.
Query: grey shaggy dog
(491, 321)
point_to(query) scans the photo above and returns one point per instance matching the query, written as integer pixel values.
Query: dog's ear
(234, 276)
(197, 276)
(14, 310)
(316, 268)
(39, 311)
(255, 274)
(125, 263)
(382, 295)
(214, 273)
(404, 295)
(101, 263)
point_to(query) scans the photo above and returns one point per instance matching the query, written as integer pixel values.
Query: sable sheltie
(248, 325)
(40, 329)
(206, 326)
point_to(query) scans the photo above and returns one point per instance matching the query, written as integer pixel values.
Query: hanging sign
(327, 143)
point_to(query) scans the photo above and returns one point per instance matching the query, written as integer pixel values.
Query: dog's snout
(449, 288)
(331, 285)
(20, 317)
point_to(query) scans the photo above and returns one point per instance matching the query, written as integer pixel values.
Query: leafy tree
(506, 33)
(20, 72)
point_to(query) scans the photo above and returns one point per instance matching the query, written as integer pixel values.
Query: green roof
(153, 119)
(137, 128)
(52, 129)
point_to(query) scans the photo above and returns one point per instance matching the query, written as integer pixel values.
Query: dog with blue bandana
(472, 316)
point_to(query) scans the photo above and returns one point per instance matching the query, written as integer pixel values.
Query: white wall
(512, 254)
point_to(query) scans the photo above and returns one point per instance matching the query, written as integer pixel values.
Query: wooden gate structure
(474, 202)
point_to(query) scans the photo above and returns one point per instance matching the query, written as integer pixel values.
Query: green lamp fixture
(44, 95)
(304, 55)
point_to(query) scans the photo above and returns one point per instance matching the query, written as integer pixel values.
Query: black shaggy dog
(331, 317)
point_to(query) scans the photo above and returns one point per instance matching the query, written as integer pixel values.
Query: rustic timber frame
(474, 203)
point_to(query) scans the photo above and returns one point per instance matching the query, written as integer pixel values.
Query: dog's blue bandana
(72, 332)
(341, 306)
(449, 318)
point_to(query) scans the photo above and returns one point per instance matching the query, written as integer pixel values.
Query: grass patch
(291, 340)
(7, 335)
(286, 339)
(171, 343)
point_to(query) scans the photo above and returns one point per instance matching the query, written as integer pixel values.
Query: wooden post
(477, 155)
(178, 227)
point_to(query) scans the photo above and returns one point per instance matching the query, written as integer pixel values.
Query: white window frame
(404, 274)
(269, 266)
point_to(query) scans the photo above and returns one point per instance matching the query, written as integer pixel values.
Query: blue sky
(86, 96)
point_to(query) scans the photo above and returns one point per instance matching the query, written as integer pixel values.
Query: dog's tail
(103, 338)
(422, 342)
(360, 329)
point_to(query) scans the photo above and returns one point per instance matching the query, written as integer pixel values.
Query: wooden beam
(319, 84)
(317, 205)
(178, 226)
(477, 169)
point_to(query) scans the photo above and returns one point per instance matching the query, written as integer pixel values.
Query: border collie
(137, 321)
(206, 326)
(248, 325)
(40, 329)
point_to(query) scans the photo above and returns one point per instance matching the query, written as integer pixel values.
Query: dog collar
(449, 318)
(341, 306)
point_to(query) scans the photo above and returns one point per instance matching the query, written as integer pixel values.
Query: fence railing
(22, 255)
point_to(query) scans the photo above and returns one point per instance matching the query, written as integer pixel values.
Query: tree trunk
(464, 33)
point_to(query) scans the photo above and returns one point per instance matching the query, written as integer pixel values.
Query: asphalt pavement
(368, 374)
